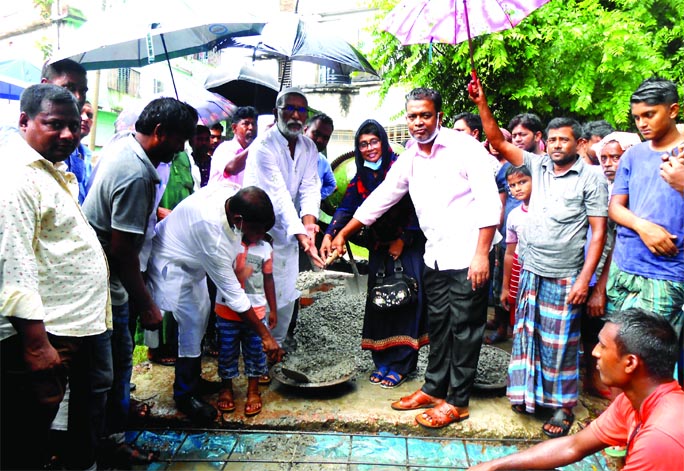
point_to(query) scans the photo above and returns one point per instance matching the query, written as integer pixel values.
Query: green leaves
(569, 58)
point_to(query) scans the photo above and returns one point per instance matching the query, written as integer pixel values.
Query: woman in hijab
(393, 337)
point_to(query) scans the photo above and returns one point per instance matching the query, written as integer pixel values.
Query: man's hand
(244, 273)
(505, 293)
(396, 247)
(475, 92)
(150, 317)
(478, 273)
(672, 170)
(658, 240)
(162, 213)
(272, 349)
(43, 358)
(596, 305)
(579, 292)
(272, 319)
(339, 244)
(311, 231)
(310, 249)
(326, 247)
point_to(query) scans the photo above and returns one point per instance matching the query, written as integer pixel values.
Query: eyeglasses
(613, 158)
(366, 144)
(293, 108)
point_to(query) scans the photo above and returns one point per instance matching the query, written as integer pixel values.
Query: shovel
(354, 285)
(295, 375)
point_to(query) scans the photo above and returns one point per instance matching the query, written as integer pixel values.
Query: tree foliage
(577, 58)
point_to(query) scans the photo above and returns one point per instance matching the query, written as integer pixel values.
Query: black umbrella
(244, 85)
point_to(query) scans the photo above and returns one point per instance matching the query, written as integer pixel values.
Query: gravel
(328, 338)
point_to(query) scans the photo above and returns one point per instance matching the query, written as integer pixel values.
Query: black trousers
(456, 321)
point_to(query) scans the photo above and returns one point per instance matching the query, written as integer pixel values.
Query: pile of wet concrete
(328, 336)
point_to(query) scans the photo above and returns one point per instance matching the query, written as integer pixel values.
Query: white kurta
(295, 191)
(192, 242)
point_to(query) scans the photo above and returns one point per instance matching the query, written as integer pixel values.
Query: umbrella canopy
(211, 107)
(15, 76)
(454, 21)
(155, 30)
(244, 85)
(290, 37)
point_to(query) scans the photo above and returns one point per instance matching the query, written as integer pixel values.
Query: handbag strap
(398, 267)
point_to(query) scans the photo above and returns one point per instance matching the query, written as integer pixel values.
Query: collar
(577, 167)
(654, 398)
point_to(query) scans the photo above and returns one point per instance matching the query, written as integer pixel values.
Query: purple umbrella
(454, 21)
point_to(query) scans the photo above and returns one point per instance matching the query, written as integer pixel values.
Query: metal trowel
(295, 375)
(354, 285)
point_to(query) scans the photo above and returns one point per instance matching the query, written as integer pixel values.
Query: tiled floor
(242, 450)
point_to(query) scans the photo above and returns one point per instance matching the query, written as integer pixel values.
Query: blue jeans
(119, 399)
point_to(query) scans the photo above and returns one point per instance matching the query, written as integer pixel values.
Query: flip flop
(264, 379)
(252, 406)
(393, 378)
(378, 375)
(519, 409)
(226, 396)
(441, 415)
(560, 419)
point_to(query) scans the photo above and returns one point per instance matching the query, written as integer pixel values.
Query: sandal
(225, 400)
(378, 375)
(442, 415)
(495, 337)
(519, 409)
(253, 405)
(140, 409)
(392, 380)
(561, 419)
(265, 379)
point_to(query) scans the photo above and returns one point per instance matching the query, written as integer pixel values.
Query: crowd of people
(180, 240)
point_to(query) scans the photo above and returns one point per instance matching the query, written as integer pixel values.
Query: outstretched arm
(496, 139)
(549, 454)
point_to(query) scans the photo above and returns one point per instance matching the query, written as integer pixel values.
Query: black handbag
(396, 290)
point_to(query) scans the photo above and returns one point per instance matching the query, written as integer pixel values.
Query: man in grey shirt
(118, 207)
(567, 198)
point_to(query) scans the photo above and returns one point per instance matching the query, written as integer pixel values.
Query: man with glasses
(453, 190)
(284, 163)
(637, 351)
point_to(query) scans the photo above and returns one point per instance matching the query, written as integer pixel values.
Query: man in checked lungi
(568, 197)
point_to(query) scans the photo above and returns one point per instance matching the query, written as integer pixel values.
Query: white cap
(289, 91)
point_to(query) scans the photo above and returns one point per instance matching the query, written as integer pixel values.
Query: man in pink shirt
(452, 187)
(636, 352)
(229, 158)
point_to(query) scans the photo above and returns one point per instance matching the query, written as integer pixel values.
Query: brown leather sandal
(253, 404)
(225, 403)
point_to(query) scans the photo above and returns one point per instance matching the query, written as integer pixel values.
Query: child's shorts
(234, 336)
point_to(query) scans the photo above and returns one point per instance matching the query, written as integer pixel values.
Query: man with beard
(118, 206)
(284, 163)
(453, 190)
(527, 132)
(228, 160)
(568, 197)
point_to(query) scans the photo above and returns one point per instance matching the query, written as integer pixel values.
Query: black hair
(527, 120)
(426, 94)
(599, 128)
(59, 68)
(561, 122)
(323, 118)
(174, 117)
(201, 129)
(656, 91)
(513, 170)
(254, 205)
(648, 336)
(34, 97)
(244, 112)
(472, 120)
(218, 126)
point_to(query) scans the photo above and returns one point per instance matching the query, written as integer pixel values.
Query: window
(124, 81)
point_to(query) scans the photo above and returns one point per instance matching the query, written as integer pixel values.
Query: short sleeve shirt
(122, 197)
(558, 212)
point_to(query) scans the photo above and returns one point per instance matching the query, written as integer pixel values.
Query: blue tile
(479, 452)
(166, 442)
(428, 452)
(241, 466)
(196, 466)
(207, 446)
(325, 448)
(270, 447)
(378, 450)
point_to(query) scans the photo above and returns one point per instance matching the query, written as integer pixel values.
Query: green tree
(577, 58)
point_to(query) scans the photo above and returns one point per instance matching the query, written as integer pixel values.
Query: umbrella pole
(470, 39)
(168, 62)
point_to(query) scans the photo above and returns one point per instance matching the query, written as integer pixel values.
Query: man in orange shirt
(636, 353)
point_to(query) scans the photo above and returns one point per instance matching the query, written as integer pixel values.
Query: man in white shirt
(229, 158)
(201, 237)
(458, 207)
(54, 296)
(284, 163)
